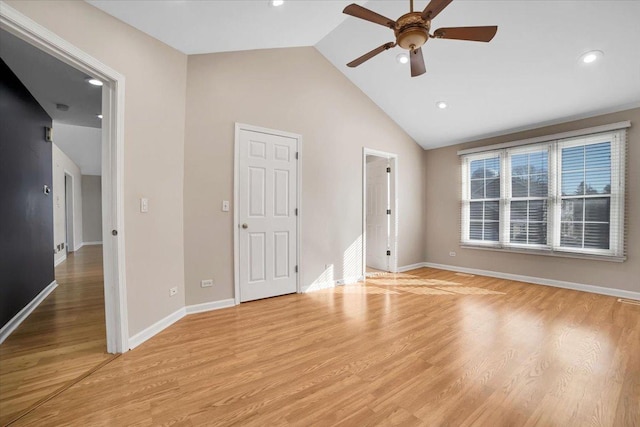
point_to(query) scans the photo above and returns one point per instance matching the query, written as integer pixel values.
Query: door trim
(236, 198)
(393, 187)
(70, 247)
(113, 101)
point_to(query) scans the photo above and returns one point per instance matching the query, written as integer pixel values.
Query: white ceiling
(52, 82)
(82, 144)
(528, 76)
(205, 26)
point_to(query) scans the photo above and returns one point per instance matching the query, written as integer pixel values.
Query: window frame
(466, 191)
(508, 198)
(616, 251)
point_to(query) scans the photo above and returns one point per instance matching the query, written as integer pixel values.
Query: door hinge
(388, 211)
(388, 170)
(388, 253)
(296, 211)
(296, 155)
(296, 269)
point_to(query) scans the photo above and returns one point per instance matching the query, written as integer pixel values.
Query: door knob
(245, 225)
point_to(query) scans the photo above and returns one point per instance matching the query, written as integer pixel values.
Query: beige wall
(61, 164)
(92, 208)
(154, 147)
(443, 217)
(185, 169)
(295, 90)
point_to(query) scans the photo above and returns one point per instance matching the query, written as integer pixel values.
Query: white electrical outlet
(173, 291)
(144, 205)
(452, 253)
(207, 283)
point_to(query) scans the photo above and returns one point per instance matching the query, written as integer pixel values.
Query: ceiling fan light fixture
(441, 105)
(591, 56)
(402, 58)
(412, 31)
(413, 39)
(276, 3)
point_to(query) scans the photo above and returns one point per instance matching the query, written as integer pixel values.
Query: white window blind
(484, 204)
(527, 196)
(564, 196)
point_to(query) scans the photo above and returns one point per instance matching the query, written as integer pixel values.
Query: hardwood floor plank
(62, 339)
(497, 352)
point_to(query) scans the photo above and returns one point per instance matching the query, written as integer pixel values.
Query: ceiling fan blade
(368, 15)
(417, 63)
(476, 34)
(371, 54)
(434, 8)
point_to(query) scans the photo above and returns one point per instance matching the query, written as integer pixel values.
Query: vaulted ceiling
(529, 75)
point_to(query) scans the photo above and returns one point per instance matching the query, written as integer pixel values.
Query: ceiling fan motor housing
(412, 31)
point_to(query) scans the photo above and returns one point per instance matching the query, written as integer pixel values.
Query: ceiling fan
(412, 31)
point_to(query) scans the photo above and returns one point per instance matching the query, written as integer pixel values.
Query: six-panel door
(267, 202)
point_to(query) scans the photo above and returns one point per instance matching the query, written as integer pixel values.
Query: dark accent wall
(26, 213)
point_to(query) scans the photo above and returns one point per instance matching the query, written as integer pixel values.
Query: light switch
(144, 205)
(225, 206)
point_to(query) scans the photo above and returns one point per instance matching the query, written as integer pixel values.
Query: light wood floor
(62, 339)
(370, 271)
(425, 348)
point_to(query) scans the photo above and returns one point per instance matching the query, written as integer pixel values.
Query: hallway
(63, 339)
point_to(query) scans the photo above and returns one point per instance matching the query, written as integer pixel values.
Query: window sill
(544, 252)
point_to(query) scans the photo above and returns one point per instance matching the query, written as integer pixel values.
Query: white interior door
(377, 218)
(267, 202)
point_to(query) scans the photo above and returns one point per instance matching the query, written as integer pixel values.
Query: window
(484, 215)
(562, 196)
(528, 196)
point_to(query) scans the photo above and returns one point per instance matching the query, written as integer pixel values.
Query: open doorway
(380, 212)
(111, 116)
(26, 331)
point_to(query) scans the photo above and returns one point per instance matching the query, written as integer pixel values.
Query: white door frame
(393, 187)
(69, 204)
(112, 163)
(236, 198)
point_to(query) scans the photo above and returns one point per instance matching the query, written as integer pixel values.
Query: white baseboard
(156, 328)
(60, 260)
(78, 246)
(90, 243)
(209, 306)
(164, 323)
(411, 267)
(620, 293)
(350, 280)
(12, 324)
(328, 284)
(319, 285)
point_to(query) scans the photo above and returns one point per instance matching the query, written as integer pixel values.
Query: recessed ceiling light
(402, 58)
(99, 116)
(591, 56)
(94, 82)
(276, 3)
(441, 105)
